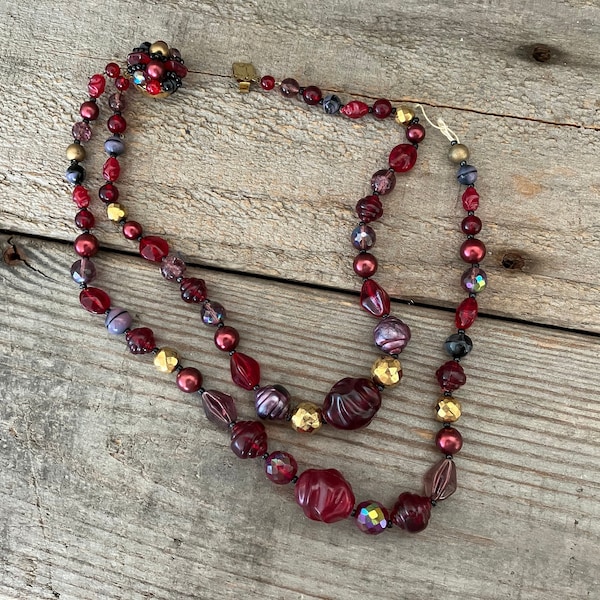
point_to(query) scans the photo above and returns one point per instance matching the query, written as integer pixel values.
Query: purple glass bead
(363, 237)
(82, 131)
(474, 280)
(114, 146)
(440, 480)
(117, 102)
(83, 271)
(212, 313)
(391, 335)
(117, 321)
(383, 182)
(272, 402)
(219, 408)
(280, 467)
(466, 175)
(289, 87)
(372, 517)
(172, 267)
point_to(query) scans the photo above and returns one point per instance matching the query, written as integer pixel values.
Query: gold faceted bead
(306, 417)
(458, 153)
(404, 115)
(159, 48)
(75, 152)
(448, 409)
(166, 360)
(387, 371)
(116, 212)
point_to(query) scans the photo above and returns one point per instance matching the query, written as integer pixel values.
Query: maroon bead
(155, 69)
(112, 70)
(173, 267)
(140, 340)
(81, 196)
(219, 408)
(108, 193)
(245, 371)
(193, 290)
(189, 380)
(365, 265)
(94, 300)
(96, 85)
(153, 248)
(472, 250)
(312, 95)
(440, 480)
(111, 169)
(176, 67)
(289, 87)
(382, 108)
(448, 440)
(324, 495)
(403, 158)
(267, 82)
(132, 230)
(470, 199)
(374, 299)
(280, 467)
(82, 131)
(227, 338)
(391, 335)
(86, 244)
(117, 102)
(355, 109)
(411, 512)
(351, 403)
(363, 237)
(451, 376)
(116, 124)
(369, 208)
(89, 110)
(138, 58)
(272, 402)
(84, 219)
(122, 84)
(248, 439)
(83, 271)
(471, 225)
(383, 181)
(466, 313)
(415, 133)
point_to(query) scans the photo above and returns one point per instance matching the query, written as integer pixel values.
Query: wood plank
(113, 484)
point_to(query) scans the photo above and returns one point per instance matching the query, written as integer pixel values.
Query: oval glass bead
(324, 495)
(193, 290)
(94, 300)
(153, 248)
(117, 321)
(458, 345)
(440, 480)
(403, 158)
(219, 408)
(372, 517)
(369, 208)
(383, 181)
(374, 299)
(451, 376)
(411, 512)
(140, 340)
(272, 402)
(83, 271)
(474, 280)
(189, 380)
(351, 403)
(248, 439)
(470, 199)
(391, 335)
(114, 145)
(466, 313)
(355, 109)
(245, 371)
(280, 467)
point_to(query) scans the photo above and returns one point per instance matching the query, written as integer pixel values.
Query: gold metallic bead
(115, 212)
(387, 370)
(166, 360)
(75, 152)
(159, 48)
(458, 153)
(404, 115)
(306, 417)
(447, 409)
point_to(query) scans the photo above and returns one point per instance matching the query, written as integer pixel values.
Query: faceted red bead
(112, 70)
(108, 193)
(116, 124)
(96, 85)
(245, 371)
(84, 219)
(132, 230)
(472, 250)
(440, 480)
(219, 408)
(355, 109)
(140, 340)
(138, 58)
(351, 403)
(86, 244)
(267, 82)
(153, 248)
(372, 517)
(471, 225)
(365, 265)
(403, 158)
(89, 110)
(227, 338)
(193, 290)
(81, 196)
(374, 299)
(415, 133)
(111, 169)
(451, 376)
(189, 380)
(153, 87)
(122, 83)
(369, 208)
(248, 439)
(312, 95)
(94, 300)
(382, 108)
(466, 313)
(383, 181)
(324, 495)
(411, 512)
(470, 199)
(448, 440)
(280, 467)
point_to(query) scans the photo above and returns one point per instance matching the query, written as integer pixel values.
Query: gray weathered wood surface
(114, 485)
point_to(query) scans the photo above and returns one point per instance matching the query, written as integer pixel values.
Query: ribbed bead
(219, 408)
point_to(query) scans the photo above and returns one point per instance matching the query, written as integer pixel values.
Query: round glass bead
(86, 245)
(415, 133)
(112, 70)
(245, 371)
(116, 124)
(219, 408)
(369, 208)
(331, 104)
(89, 110)
(312, 95)
(386, 371)
(363, 237)
(166, 360)
(153, 248)
(306, 417)
(466, 313)
(365, 265)
(212, 313)
(474, 280)
(272, 402)
(403, 158)
(172, 267)
(189, 380)
(449, 440)
(267, 82)
(82, 131)
(248, 439)
(451, 376)
(458, 345)
(411, 512)
(140, 340)
(371, 517)
(227, 338)
(324, 495)
(117, 102)
(391, 335)
(94, 300)
(448, 409)
(122, 84)
(383, 181)
(75, 174)
(374, 299)
(280, 467)
(382, 108)
(351, 403)
(83, 271)
(289, 87)
(118, 321)
(466, 175)
(132, 230)
(108, 193)
(84, 219)
(472, 250)
(471, 225)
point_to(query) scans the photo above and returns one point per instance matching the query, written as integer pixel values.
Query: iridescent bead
(440, 480)
(219, 408)
(363, 237)
(449, 440)
(331, 104)
(140, 340)
(248, 439)
(403, 158)
(466, 175)
(351, 403)
(374, 299)
(458, 345)
(272, 402)
(371, 517)
(451, 376)
(289, 87)
(172, 267)
(280, 467)
(411, 512)
(114, 145)
(324, 495)
(474, 280)
(391, 335)
(466, 313)
(306, 417)
(383, 181)
(245, 371)
(117, 103)
(212, 313)
(166, 360)
(94, 300)
(386, 371)
(82, 131)
(139, 77)
(369, 208)
(193, 290)
(83, 270)
(448, 409)
(189, 380)
(117, 321)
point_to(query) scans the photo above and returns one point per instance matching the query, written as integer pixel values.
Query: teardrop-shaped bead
(466, 313)
(351, 403)
(403, 158)
(245, 371)
(272, 402)
(248, 439)
(440, 480)
(219, 408)
(391, 335)
(324, 495)
(374, 299)
(451, 376)
(411, 512)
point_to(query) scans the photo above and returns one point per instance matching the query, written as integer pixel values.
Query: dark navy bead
(114, 146)
(75, 174)
(466, 175)
(331, 104)
(458, 345)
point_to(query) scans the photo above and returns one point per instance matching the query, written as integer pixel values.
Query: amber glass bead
(116, 212)
(306, 417)
(448, 409)
(166, 360)
(404, 115)
(386, 371)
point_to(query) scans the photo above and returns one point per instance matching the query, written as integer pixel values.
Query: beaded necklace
(323, 494)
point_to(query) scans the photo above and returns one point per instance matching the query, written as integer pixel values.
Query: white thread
(441, 126)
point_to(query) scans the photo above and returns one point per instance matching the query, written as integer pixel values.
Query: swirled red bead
(324, 495)
(374, 299)
(248, 439)
(245, 371)
(193, 290)
(351, 403)
(153, 248)
(403, 158)
(369, 208)
(355, 109)
(111, 169)
(466, 313)
(411, 512)
(470, 199)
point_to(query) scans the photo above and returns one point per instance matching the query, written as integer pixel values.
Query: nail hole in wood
(13, 255)
(513, 261)
(541, 53)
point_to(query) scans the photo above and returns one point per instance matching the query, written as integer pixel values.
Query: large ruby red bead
(440, 480)
(374, 299)
(351, 403)
(193, 290)
(140, 340)
(411, 512)
(382, 108)
(466, 313)
(355, 109)
(472, 250)
(94, 300)
(111, 169)
(219, 408)
(403, 158)
(245, 371)
(451, 376)
(248, 439)
(470, 199)
(324, 495)
(153, 248)
(96, 85)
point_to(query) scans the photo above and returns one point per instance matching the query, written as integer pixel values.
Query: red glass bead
(140, 340)
(138, 58)
(112, 70)
(440, 480)
(219, 408)
(84, 219)
(245, 371)
(365, 265)
(153, 87)
(108, 193)
(248, 439)
(351, 403)
(369, 208)
(173, 267)
(193, 290)
(466, 313)
(411, 512)
(382, 108)
(81, 196)
(189, 380)
(415, 133)
(355, 109)
(403, 158)
(372, 517)
(122, 83)
(94, 300)
(471, 225)
(96, 85)
(155, 69)
(472, 250)
(289, 87)
(374, 299)
(89, 110)
(111, 169)
(132, 230)
(324, 495)
(82, 131)
(470, 199)
(153, 248)
(451, 376)
(312, 95)
(116, 102)
(267, 82)
(383, 181)
(86, 244)
(176, 67)
(448, 440)
(116, 124)
(227, 338)
(280, 467)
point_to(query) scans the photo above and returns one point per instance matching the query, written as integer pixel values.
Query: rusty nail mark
(541, 53)
(513, 261)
